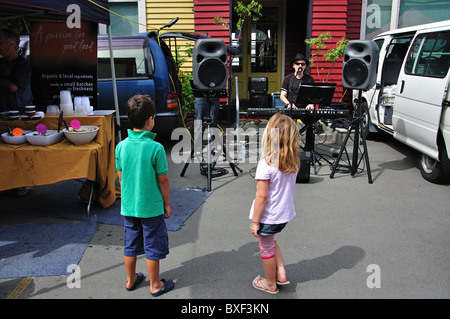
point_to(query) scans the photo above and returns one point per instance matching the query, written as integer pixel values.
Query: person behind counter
(291, 83)
(15, 74)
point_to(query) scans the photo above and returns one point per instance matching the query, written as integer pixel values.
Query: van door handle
(402, 86)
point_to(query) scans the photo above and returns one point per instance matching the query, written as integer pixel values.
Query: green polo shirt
(140, 159)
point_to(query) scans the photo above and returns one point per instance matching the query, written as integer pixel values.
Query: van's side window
(429, 55)
(129, 60)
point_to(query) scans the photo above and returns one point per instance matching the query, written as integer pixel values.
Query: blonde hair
(280, 144)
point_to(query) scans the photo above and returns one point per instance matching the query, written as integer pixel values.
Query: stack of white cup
(82, 105)
(52, 110)
(66, 104)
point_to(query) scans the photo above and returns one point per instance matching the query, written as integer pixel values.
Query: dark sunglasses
(300, 63)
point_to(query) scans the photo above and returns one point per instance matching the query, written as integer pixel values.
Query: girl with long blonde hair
(273, 206)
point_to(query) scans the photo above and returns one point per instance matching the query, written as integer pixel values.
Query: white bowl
(50, 137)
(15, 139)
(84, 135)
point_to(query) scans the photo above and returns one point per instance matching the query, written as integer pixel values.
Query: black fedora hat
(300, 56)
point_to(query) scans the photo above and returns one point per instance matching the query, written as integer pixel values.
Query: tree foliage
(319, 47)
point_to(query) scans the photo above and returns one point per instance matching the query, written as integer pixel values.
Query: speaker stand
(358, 125)
(208, 121)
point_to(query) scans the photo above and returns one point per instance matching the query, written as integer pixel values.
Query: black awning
(90, 9)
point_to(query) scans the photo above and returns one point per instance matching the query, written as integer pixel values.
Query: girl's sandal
(261, 287)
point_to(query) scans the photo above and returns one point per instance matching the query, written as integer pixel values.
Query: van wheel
(433, 170)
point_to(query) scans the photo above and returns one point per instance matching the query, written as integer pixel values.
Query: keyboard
(299, 113)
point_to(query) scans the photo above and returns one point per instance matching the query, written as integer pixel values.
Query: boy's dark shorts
(146, 236)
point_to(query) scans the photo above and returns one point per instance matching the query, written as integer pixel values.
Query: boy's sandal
(168, 286)
(139, 278)
(261, 287)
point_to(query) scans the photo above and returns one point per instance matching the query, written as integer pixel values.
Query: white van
(411, 97)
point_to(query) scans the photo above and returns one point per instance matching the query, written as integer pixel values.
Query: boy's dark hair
(139, 109)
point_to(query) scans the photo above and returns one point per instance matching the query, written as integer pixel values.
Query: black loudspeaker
(359, 69)
(259, 84)
(258, 100)
(209, 62)
(305, 165)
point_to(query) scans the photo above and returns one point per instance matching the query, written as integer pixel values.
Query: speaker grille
(355, 73)
(212, 73)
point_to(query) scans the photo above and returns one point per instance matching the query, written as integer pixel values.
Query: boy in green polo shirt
(145, 192)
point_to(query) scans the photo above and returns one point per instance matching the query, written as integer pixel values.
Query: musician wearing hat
(291, 83)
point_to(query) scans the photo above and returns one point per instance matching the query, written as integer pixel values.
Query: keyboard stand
(316, 94)
(308, 117)
(310, 141)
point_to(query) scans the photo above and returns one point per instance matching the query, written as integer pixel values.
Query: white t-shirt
(280, 200)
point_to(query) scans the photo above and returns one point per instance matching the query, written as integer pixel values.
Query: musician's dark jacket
(291, 85)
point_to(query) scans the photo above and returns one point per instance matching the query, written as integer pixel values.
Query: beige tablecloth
(30, 165)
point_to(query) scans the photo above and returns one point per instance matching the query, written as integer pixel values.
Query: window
(129, 59)
(429, 55)
(379, 42)
(261, 44)
(264, 42)
(415, 12)
(378, 16)
(236, 42)
(128, 10)
(398, 48)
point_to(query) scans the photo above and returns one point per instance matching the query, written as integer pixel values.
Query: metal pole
(113, 74)
(237, 111)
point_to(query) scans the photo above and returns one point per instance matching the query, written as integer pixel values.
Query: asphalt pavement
(350, 239)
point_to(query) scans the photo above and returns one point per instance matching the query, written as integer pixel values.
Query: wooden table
(30, 165)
